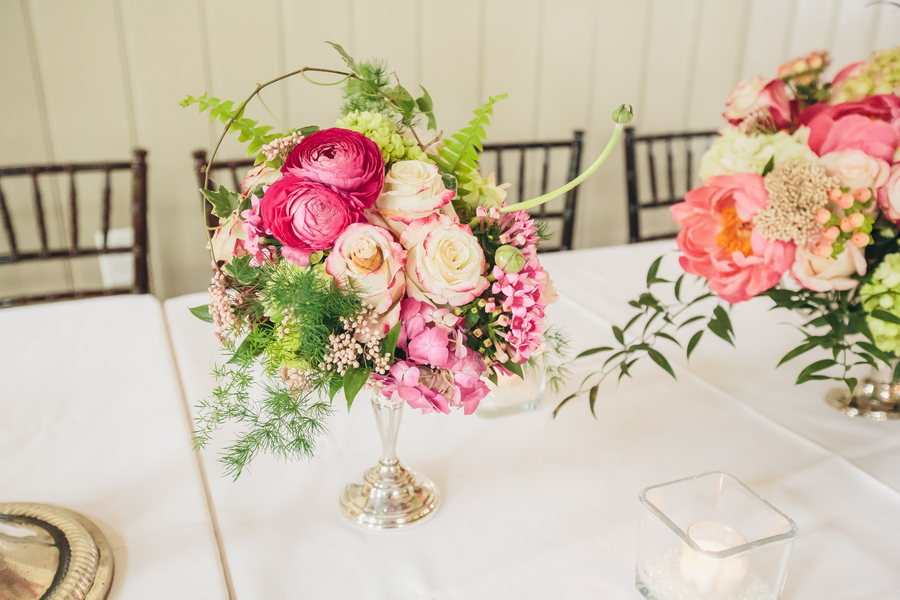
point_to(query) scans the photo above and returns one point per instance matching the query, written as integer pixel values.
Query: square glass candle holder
(710, 537)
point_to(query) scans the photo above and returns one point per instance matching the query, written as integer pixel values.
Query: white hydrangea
(736, 152)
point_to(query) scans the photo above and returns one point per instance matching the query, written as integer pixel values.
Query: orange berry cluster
(853, 223)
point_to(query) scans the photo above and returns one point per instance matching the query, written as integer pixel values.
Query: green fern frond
(459, 156)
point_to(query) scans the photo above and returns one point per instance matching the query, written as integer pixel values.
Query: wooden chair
(566, 215)
(73, 247)
(687, 144)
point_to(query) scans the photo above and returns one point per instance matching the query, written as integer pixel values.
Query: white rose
(889, 195)
(825, 274)
(855, 169)
(736, 152)
(745, 99)
(412, 190)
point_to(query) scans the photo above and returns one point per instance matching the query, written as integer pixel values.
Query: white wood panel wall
(93, 78)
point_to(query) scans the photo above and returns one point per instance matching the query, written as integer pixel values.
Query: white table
(92, 418)
(535, 508)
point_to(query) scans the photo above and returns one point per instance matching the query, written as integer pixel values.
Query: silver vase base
(872, 399)
(390, 497)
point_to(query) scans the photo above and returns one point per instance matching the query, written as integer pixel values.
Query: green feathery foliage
(459, 155)
(250, 131)
(368, 94)
(316, 303)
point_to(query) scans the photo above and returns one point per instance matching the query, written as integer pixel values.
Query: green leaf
(807, 373)
(492, 376)
(389, 343)
(593, 351)
(719, 328)
(334, 386)
(202, 313)
(224, 201)
(897, 372)
(693, 343)
(592, 396)
(651, 274)
(883, 315)
(424, 102)
(633, 321)
(876, 351)
(561, 404)
(620, 335)
(769, 166)
(796, 352)
(661, 361)
(458, 156)
(722, 315)
(691, 320)
(245, 352)
(432, 121)
(450, 182)
(666, 336)
(308, 130)
(354, 380)
(472, 317)
(851, 383)
(858, 322)
(240, 269)
(514, 368)
(347, 58)
(678, 287)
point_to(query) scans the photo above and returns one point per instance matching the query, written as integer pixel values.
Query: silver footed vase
(876, 397)
(390, 496)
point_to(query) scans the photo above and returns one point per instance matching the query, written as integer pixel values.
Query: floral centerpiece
(800, 204)
(362, 257)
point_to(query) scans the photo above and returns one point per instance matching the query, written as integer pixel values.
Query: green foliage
(459, 155)
(223, 201)
(249, 131)
(202, 313)
(662, 321)
(368, 93)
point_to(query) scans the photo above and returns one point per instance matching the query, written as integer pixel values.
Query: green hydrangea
(879, 75)
(484, 191)
(378, 128)
(883, 293)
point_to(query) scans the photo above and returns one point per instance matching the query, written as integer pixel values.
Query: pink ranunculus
(889, 195)
(370, 258)
(229, 239)
(445, 263)
(824, 274)
(345, 160)
(305, 216)
(412, 190)
(855, 169)
(718, 241)
(871, 125)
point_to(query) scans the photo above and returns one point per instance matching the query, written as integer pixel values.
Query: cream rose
(745, 99)
(889, 195)
(412, 190)
(259, 175)
(855, 169)
(825, 274)
(228, 240)
(445, 264)
(369, 256)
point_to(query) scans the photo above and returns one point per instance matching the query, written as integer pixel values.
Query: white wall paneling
(92, 79)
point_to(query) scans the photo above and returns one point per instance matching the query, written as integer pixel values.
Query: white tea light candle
(710, 574)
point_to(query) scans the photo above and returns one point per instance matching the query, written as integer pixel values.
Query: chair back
(679, 150)
(73, 247)
(566, 214)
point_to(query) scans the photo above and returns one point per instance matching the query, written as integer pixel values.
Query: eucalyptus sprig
(657, 320)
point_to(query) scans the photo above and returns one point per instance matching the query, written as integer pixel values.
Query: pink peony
(342, 159)
(718, 241)
(871, 125)
(445, 263)
(304, 216)
(889, 195)
(229, 239)
(370, 257)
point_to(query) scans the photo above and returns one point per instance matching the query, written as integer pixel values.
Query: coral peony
(305, 216)
(342, 159)
(718, 240)
(370, 258)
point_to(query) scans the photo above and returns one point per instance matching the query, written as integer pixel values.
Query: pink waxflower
(304, 216)
(445, 263)
(371, 258)
(342, 159)
(719, 242)
(521, 299)
(871, 125)
(254, 230)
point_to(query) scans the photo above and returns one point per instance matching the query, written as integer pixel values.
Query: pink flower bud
(800, 66)
(862, 194)
(857, 220)
(834, 194)
(823, 250)
(822, 215)
(832, 233)
(859, 239)
(814, 61)
(845, 201)
(784, 70)
(846, 225)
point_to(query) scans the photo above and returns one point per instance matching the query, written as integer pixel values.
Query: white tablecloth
(92, 418)
(541, 508)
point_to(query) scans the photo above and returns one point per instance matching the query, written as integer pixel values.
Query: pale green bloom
(381, 130)
(884, 294)
(736, 152)
(879, 75)
(485, 191)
